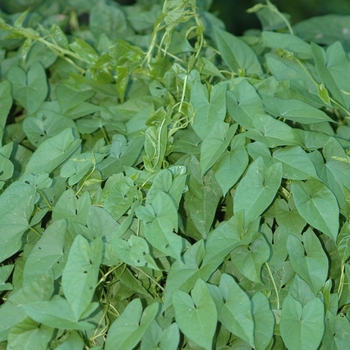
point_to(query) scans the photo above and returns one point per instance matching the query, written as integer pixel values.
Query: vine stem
(42, 194)
(35, 231)
(341, 281)
(151, 278)
(60, 51)
(274, 285)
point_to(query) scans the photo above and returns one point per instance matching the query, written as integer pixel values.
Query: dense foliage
(167, 185)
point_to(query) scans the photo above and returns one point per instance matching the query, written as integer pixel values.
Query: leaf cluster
(167, 185)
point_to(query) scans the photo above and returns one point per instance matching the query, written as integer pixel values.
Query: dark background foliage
(237, 20)
(233, 12)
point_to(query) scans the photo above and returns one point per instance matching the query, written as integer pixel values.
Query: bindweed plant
(168, 185)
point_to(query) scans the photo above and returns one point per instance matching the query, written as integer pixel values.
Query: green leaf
(215, 144)
(335, 171)
(270, 17)
(301, 291)
(79, 277)
(202, 198)
(12, 312)
(296, 163)
(100, 223)
(325, 29)
(196, 315)
(5, 272)
(58, 36)
(243, 103)
(6, 166)
(235, 310)
(69, 99)
(264, 321)
(184, 273)
(301, 326)
(151, 161)
(73, 341)
(257, 189)
(6, 103)
(343, 242)
(230, 167)
(79, 165)
(208, 110)
(134, 252)
(287, 41)
(53, 152)
(29, 335)
(85, 51)
(19, 21)
(108, 19)
(29, 89)
(171, 181)
(127, 330)
(285, 69)
(271, 132)
(332, 66)
(157, 338)
(308, 259)
(323, 94)
(120, 198)
(72, 209)
(248, 259)
(55, 313)
(287, 215)
(220, 244)
(156, 141)
(295, 110)
(236, 53)
(47, 254)
(45, 125)
(337, 335)
(317, 205)
(39, 52)
(16, 206)
(160, 225)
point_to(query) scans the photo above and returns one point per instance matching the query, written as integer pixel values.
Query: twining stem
(58, 50)
(292, 57)
(151, 278)
(279, 14)
(341, 281)
(274, 285)
(35, 231)
(104, 275)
